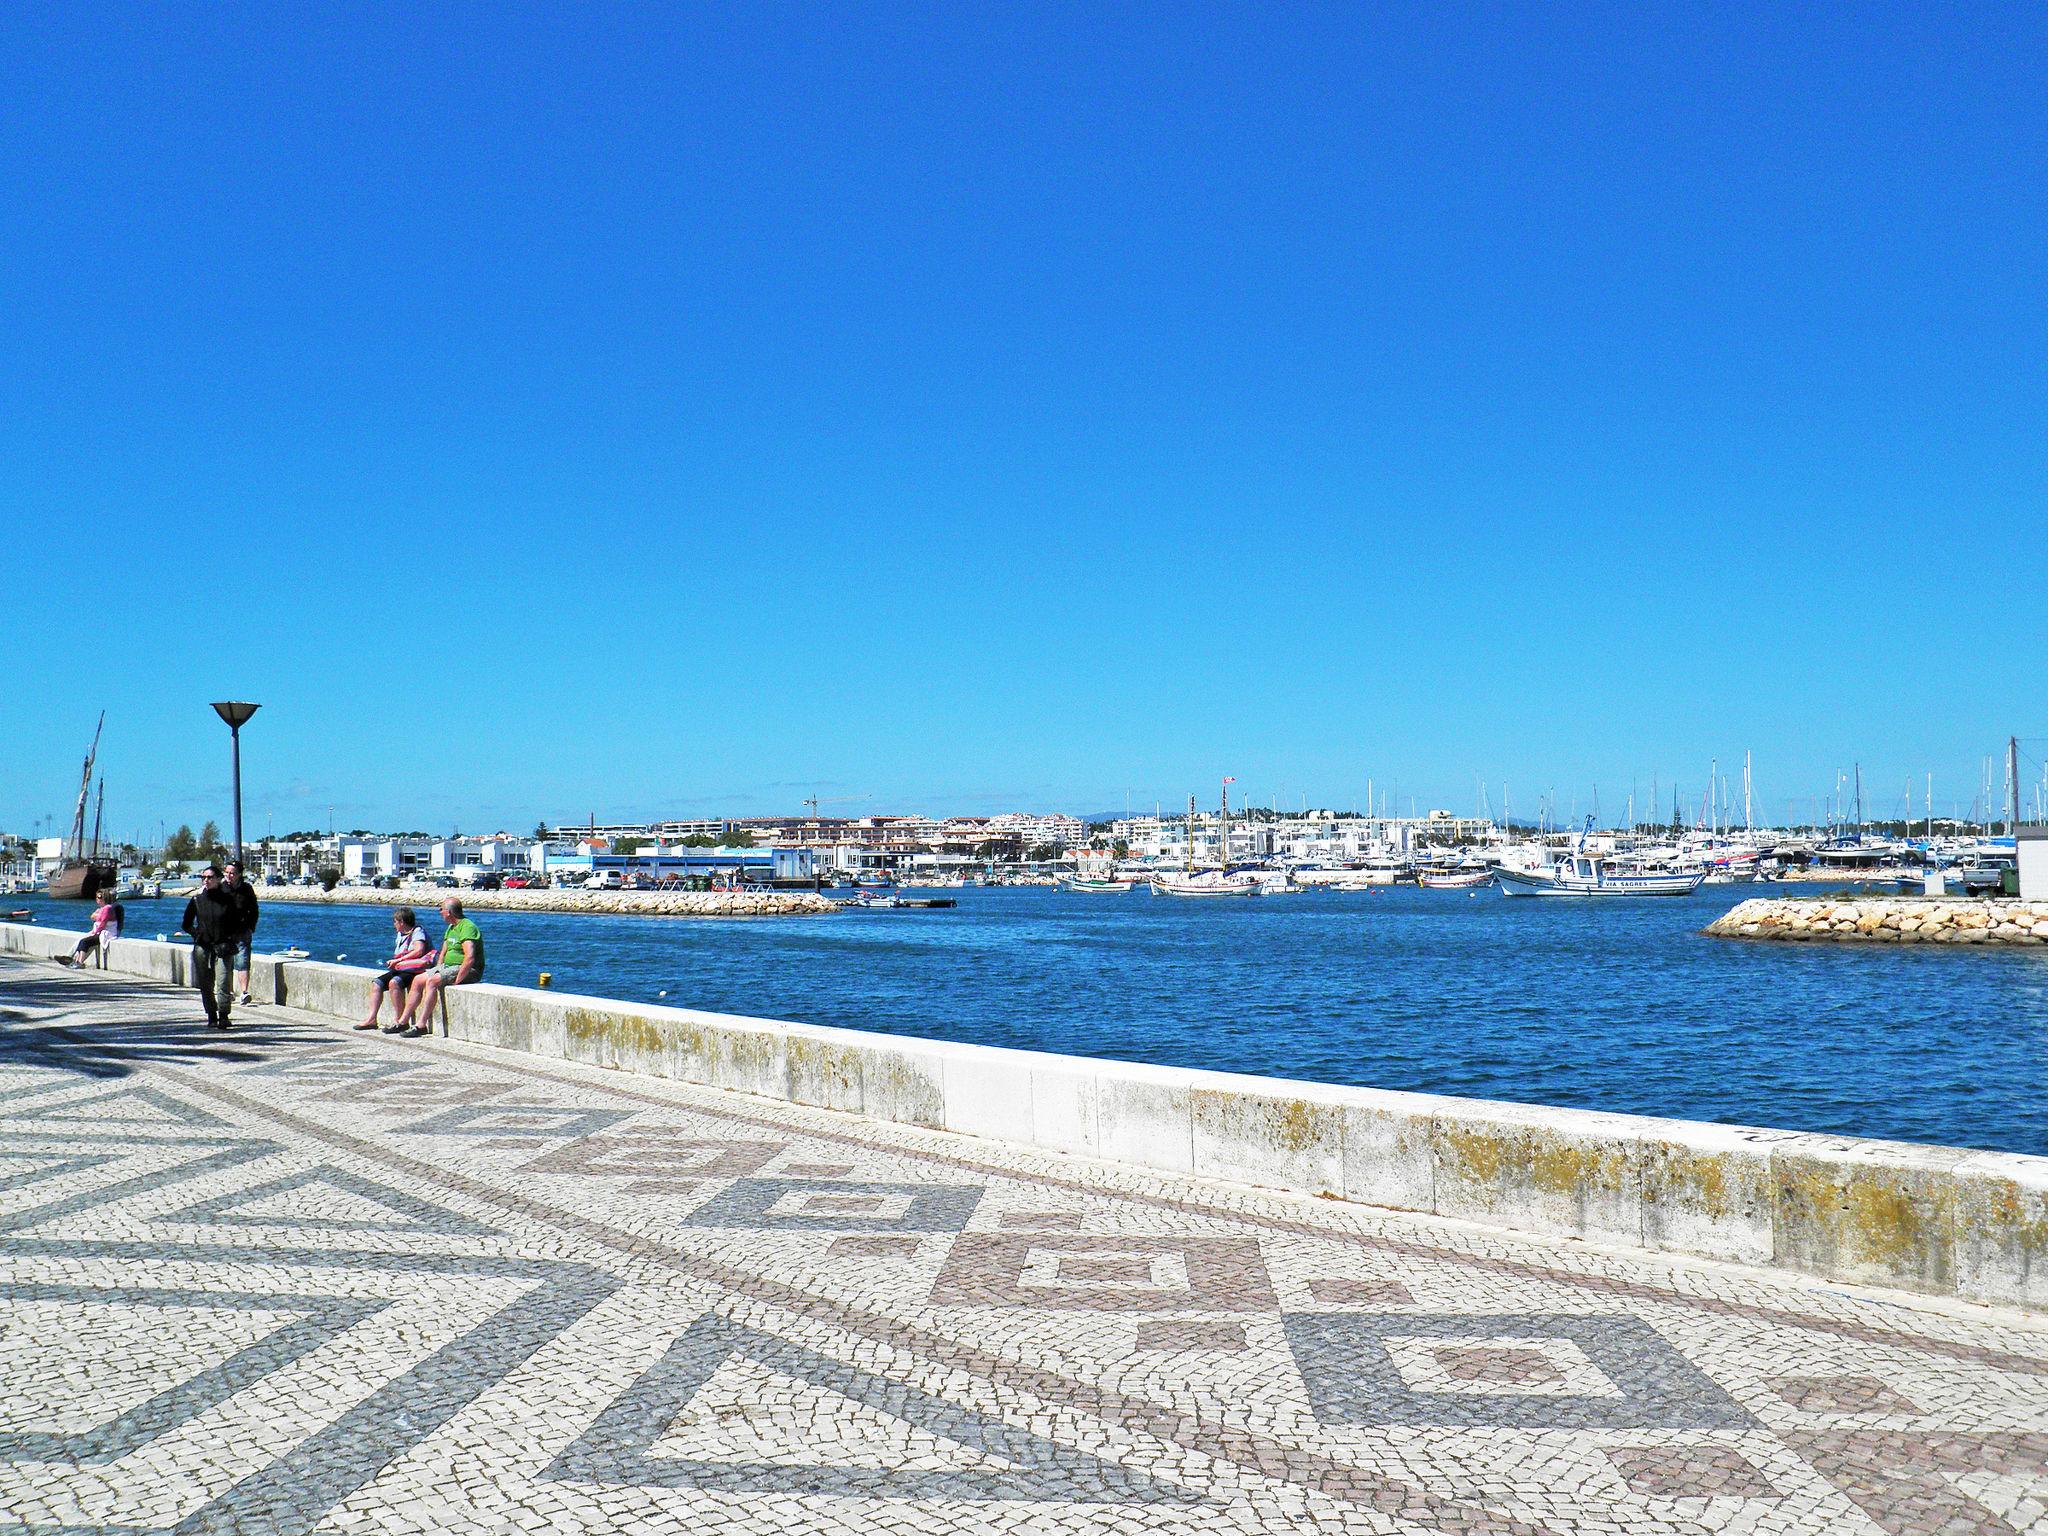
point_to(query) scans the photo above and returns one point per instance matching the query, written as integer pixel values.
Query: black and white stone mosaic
(298, 1280)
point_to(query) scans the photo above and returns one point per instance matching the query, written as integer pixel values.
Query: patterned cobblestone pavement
(299, 1279)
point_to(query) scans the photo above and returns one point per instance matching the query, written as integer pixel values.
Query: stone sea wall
(628, 903)
(1945, 1221)
(1888, 920)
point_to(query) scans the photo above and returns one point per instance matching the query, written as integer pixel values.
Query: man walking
(243, 894)
(211, 919)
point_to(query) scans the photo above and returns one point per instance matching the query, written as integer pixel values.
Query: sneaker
(396, 1029)
(244, 1001)
(416, 1032)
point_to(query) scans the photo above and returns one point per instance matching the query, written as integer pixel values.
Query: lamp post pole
(236, 714)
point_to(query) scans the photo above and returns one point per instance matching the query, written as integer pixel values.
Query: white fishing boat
(1588, 874)
(1102, 887)
(1454, 879)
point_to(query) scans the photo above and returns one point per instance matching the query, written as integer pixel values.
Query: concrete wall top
(1942, 1220)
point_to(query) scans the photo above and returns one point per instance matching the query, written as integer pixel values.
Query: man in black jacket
(214, 921)
(243, 895)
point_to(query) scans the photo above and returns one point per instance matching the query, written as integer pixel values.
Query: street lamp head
(235, 714)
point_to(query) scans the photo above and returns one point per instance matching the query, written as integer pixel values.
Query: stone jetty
(1888, 920)
(612, 903)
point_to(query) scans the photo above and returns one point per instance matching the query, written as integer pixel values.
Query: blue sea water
(1607, 1005)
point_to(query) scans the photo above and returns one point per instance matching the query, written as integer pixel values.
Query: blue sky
(633, 410)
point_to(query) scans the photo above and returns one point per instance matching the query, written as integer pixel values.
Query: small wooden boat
(1207, 884)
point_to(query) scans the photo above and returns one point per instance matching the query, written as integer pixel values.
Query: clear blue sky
(664, 409)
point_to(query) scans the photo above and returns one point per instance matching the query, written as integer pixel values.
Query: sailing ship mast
(1191, 834)
(84, 792)
(1223, 848)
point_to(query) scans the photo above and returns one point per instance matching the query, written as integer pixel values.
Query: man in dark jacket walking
(243, 895)
(214, 921)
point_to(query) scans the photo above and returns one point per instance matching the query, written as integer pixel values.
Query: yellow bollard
(547, 978)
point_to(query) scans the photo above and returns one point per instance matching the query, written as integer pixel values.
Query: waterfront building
(1037, 831)
(674, 861)
(1316, 837)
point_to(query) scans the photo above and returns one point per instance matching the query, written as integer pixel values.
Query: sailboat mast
(2012, 786)
(99, 815)
(1223, 844)
(85, 789)
(1191, 834)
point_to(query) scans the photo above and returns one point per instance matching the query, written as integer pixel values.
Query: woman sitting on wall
(410, 954)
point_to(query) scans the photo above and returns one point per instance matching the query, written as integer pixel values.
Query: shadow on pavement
(48, 1021)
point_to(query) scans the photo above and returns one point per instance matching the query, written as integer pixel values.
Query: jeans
(214, 976)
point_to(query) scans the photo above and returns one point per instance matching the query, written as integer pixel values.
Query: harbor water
(1616, 1005)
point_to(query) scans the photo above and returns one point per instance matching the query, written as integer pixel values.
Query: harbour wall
(1944, 1221)
(1888, 920)
(428, 898)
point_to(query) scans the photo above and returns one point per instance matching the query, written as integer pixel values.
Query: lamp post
(237, 715)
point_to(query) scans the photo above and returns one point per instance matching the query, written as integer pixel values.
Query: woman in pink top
(106, 927)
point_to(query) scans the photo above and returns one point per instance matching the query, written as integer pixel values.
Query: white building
(1033, 831)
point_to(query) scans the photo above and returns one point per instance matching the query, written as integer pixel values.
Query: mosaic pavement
(296, 1279)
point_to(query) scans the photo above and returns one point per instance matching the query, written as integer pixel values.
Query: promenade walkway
(299, 1279)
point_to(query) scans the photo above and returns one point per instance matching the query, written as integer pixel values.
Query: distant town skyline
(1043, 409)
(274, 810)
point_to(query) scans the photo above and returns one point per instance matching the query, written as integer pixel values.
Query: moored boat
(1183, 885)
(81, 876)
(1585, 874)
(1454, 879)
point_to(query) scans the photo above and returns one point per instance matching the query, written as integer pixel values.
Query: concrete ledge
(1940, 1220)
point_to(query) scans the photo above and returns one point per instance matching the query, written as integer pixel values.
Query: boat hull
(1515, 882)
(74, 882)
(1463, 882)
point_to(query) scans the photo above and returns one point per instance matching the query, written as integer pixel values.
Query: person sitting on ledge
(462, 961)
(410, 955)
(106, 927)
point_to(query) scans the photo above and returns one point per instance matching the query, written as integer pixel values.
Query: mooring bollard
(547, 978)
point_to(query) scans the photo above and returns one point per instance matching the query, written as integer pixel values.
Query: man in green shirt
(462, 961)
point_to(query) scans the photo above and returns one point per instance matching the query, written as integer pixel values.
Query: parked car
(487, 882)
(605, 880)
(525, 882)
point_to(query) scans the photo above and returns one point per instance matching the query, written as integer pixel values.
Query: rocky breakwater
(613, 903)
(1888, 920)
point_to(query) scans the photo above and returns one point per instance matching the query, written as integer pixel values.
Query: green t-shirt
(461, 931)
